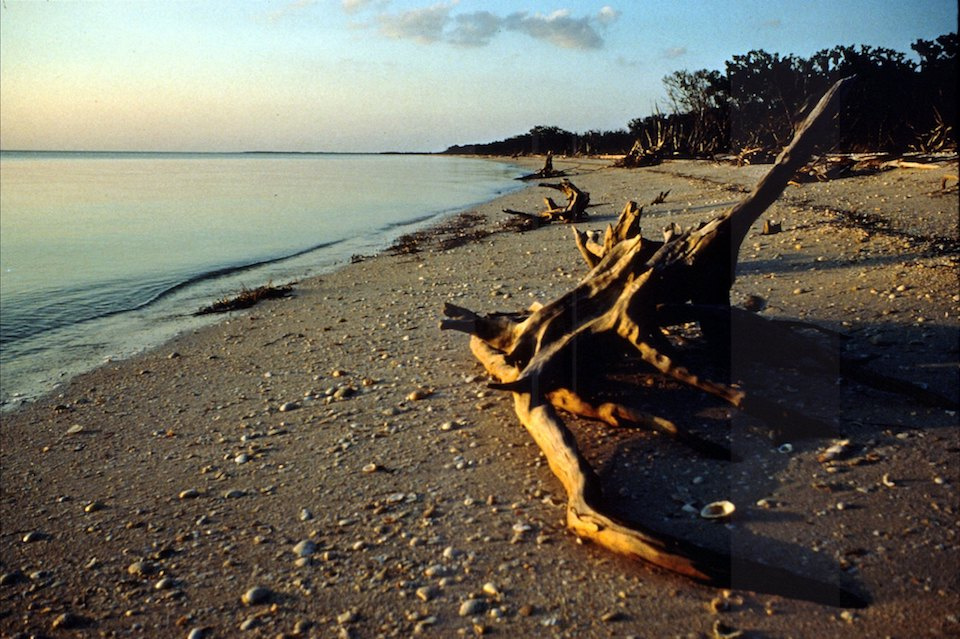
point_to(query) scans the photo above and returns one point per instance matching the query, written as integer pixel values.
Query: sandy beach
(333, 465)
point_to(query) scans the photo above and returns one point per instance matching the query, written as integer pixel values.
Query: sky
(386, 75)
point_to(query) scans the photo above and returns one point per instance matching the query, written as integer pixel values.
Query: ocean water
(103, 255)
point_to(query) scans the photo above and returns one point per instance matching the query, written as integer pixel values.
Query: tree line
(897, 105)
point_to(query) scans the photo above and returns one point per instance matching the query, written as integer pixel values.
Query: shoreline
(39, 368)
(203, 463)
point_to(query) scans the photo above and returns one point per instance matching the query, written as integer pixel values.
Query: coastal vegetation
(899, 105)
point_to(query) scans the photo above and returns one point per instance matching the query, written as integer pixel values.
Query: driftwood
(546, 172)
(641, 155)
(575, 210)
(634, 289)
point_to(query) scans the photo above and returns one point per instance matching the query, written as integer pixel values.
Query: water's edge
(171, 313)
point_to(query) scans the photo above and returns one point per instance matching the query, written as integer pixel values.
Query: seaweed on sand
(246, 298)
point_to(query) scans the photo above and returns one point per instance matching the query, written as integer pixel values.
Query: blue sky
(375, 75)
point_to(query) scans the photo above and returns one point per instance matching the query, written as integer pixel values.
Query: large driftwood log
(634, 289)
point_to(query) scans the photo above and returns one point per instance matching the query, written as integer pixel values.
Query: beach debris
(649, 154)
(75, 429)
(246, 298)
(661, 197)
(771, 228)
(837, 450)
(286, 407)
(546, 172)
(575, 210)
(718, 510)
(723, 631)
(630, 297)
(886, 481)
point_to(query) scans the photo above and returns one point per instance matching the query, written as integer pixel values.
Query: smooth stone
(34, 535)
(67, 620)
(190, 493)
(426, 593)
(256, 595)
(141, 568)
(472, 607)
(288, 406)
(305, 548)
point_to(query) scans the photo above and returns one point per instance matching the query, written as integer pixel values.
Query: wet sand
(151, 495)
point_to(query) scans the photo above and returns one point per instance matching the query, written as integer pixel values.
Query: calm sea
(105, 254)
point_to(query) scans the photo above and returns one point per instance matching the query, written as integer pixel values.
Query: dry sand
(150, 495)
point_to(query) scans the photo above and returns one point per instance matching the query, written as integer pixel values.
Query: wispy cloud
(774, 23)
(675, 52)
(474, 29)
(439, 23)
(423, 25)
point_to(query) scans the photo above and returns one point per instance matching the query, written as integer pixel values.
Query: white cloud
(607, 15)
(438, 23)
(675, 52)
(423, 25)
(557, 28)
(474, 29)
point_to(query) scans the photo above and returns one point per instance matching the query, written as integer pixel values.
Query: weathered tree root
(586, 517)
(628, 296)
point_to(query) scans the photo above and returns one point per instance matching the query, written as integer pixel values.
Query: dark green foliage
(898, 105)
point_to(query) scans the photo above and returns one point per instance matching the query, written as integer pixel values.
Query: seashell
(786, 449)
(718, 510)
(837, 450)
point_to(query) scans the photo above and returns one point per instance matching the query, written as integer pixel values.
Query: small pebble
(94, 506)
(426, 593)
(471, 607)
(33, 535)
(141, 568)
(305, 548)
(75, 429)
(234, 494)
(370, 468)
(256, 595)
(199, 633)
(165, 584)
(190, 493)
(67, 620)
(346, 617)
(491, 589)
(288, 406)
